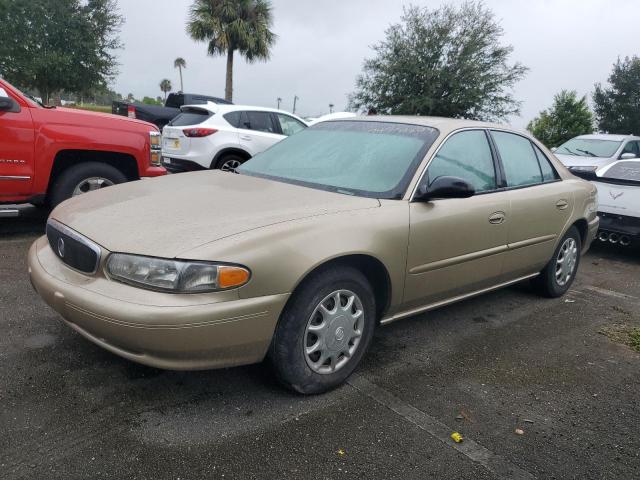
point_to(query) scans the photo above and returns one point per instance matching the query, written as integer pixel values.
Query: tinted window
(518, 158)
(290, 125)
(174, 100)
(631, 147)
(234, 118)
(373, 159)
(260, 121)
(466, 155)
(190, 117)
(549, 173)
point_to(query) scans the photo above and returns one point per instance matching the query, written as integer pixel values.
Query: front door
(259, 132)
(457, 246)
(16, 150)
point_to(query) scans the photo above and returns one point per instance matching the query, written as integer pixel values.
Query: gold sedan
(297, 258)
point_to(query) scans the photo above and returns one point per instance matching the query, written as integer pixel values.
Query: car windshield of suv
(589, 147)
(371, 159)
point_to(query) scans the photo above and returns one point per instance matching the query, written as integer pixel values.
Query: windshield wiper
(591, 154)
(570, 151)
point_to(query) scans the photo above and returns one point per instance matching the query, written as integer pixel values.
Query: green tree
(151, 101)
(447, 62)
(567, 118)
(233, 25)
(165, 86)
(617, 106)
(55, 45)
(180, 63)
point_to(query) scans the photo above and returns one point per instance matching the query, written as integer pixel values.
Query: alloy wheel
(91, 184)
(566, 261)
(230, 165)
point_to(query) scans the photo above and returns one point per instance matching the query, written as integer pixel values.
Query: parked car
(49, 154)
(332, 116)
(591, 152)
(618, 201)
(223, 136)
(316, 241)
(161, 115)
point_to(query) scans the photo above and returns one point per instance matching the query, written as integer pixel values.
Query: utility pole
(295, 101)
(331, 108)
(279, 102)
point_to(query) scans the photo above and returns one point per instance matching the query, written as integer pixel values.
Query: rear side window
(190, 117)
(260, 121)
(234, 119)
(520, 163)
(466, 155)
(629, 171)
(549, 173)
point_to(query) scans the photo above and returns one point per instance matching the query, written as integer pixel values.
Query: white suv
(223, 136)
(589, 153)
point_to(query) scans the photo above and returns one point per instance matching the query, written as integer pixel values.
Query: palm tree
(165, 86)
(230, 25)
(180, 63)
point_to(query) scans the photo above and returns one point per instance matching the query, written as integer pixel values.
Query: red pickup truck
(48, 154)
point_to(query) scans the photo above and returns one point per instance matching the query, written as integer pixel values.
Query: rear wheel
(229, 163)
(560, 272)
(83, 178)
(324, 331)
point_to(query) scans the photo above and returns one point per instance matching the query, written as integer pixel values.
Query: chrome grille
(73, 249)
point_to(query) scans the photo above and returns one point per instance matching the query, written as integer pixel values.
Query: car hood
(169, 216)
(578, 161)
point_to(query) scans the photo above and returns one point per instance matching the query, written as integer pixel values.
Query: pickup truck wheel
(229, 163)
(324, 331)
(83, 178)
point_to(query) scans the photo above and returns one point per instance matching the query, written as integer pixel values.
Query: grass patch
(92, 108)
(625, 334)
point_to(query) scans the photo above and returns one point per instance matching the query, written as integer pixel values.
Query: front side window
(260, 121)
(289, 125)
(549, 173)
(369, 159)
(466, 155)
(519, 160)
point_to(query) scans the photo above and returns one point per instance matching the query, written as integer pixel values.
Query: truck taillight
(131, 111)
(199, 132)
(155, 152)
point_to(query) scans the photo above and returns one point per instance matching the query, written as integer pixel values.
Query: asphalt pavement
(533, 385)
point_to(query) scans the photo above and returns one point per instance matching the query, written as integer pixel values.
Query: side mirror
(585, 174)
(445, 187)
(628, 156)
(7, 104)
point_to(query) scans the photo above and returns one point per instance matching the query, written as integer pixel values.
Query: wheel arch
(229, 151)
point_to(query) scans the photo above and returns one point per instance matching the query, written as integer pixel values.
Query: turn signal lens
(199, 132)
(232, 276)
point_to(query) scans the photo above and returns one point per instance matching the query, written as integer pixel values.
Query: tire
(553, 281)
(289, 358)
(229, 162)
(73, 177)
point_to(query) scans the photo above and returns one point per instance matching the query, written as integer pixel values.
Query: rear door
(541, 204)
(259, 131)
(17, 167)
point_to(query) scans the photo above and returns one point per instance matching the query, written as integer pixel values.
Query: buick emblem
(61, 247)
(615, 195)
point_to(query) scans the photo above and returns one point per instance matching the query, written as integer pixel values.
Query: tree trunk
(181, 86)
(228, 93)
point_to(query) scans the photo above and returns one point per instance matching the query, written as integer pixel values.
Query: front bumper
(174, 337)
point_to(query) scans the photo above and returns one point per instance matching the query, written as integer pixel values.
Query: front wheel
(324, 331)
(557, 277)
(82, 178)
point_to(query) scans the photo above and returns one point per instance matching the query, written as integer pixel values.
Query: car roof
(607, 136)
(222, 108)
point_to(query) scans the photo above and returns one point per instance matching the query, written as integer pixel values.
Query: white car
(223, 136)
(618, 201)
(592, 152)
(332, 116)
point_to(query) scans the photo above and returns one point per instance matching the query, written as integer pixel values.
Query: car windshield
(371, 159)
(589, 147)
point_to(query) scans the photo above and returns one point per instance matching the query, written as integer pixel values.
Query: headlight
(175, 276)
(584, 168)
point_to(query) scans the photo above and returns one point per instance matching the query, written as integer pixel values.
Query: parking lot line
(609, 293)
(473, 450)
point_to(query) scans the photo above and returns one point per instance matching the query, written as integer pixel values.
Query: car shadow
(30, 221)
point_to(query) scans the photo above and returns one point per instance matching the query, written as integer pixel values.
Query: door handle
(497, 218)
(562, 204)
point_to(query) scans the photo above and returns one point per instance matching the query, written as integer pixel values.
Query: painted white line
(473, 450)
(609, 293)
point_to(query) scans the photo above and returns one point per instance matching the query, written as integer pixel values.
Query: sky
(567, 44)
